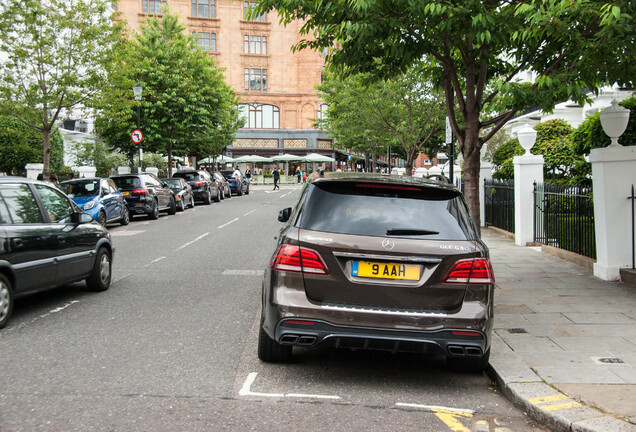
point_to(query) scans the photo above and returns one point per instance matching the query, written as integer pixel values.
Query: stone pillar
(33, 169)
(613, 174)
(123, 170)
(485, 173)
(528, 169)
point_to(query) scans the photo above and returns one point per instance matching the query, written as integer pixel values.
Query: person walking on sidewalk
(276, 178)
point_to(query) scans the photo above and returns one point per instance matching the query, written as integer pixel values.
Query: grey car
(379, 262)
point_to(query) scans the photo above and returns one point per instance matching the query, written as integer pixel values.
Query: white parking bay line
(249, 212)
(126, 233)
(190, 242)
(242, 272)
(155, 260)
(246, 391)
(226, 224)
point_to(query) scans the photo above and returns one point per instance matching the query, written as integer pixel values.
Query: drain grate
(610, 360)
(517, 330)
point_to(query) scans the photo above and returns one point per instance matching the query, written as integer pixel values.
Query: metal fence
(500, 204)
(633, 198)
(564, 217)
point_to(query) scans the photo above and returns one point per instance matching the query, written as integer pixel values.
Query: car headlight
(89, 205)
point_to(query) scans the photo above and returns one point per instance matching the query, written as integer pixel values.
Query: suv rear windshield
(131, 182)
(187, 176)
(379, 209)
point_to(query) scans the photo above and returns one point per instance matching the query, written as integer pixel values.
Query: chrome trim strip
(353, 255)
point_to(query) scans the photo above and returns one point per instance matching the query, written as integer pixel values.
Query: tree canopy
(477, 49)
(367, 115)
(54, 53)
(186, 105)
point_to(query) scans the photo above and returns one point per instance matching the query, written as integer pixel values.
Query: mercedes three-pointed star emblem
(388, 244)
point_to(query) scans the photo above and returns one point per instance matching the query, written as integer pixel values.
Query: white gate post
(528, 169)
(613, 173)
(485, 172)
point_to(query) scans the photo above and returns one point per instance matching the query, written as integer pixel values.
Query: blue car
(98, 197)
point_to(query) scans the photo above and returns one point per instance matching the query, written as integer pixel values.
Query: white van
(398, 171)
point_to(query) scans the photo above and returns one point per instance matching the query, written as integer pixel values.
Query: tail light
(298, 259)
(140, 192)
(471, 271)
(199, 183)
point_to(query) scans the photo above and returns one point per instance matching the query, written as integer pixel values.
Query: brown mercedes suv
(379, 262)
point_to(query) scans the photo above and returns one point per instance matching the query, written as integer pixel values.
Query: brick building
(276, 87)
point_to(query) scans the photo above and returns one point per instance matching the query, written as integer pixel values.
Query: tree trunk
(46, 160)
(471, 181)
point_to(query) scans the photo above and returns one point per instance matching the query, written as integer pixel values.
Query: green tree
(476, 49)
(53, 57)
(185, 98)
(20, 145)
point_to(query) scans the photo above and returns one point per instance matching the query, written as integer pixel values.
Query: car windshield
(123, 183)
(80, 188)
(387, 210)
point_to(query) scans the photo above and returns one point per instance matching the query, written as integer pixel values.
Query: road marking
(288, 193)
(226, 224)
(126, 233)
(450, 416)
(246, 391)
(546, 402)
(249, 212)
(155, 260)
(61, 308)
(242, 272)
(190, 242)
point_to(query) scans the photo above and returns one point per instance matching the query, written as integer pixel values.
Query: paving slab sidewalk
(564, 342)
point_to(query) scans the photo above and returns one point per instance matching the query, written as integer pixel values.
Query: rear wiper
(413, 232)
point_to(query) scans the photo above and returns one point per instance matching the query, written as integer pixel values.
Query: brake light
(391, 187)
(298, 259)
(471, 271)
(300, 322)
(140, 192)
(199, 183)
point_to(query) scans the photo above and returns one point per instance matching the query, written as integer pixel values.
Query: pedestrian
(304, 177)
(248, 175)
(237, 173)
(276, 178)
(298, 174)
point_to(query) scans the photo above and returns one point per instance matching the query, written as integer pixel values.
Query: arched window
(260, 116)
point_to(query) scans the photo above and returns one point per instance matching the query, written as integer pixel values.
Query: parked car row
(120, 197)
(54, 236)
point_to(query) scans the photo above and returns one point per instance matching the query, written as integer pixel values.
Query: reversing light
(298, 259)
(471, 271)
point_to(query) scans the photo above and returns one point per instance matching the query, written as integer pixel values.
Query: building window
(153, 6)
(322, 111)
(246, 10)
(260, 116)
(207, 41)
(255, 44)
(255, 79)
(203, 8)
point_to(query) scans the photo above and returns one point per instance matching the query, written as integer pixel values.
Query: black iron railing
(632, 197)
(500, 204)
(564, 217)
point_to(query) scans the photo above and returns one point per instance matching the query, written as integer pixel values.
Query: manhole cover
(517, 330)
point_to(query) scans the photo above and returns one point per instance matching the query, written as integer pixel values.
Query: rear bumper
(310, 333)
(139, 205)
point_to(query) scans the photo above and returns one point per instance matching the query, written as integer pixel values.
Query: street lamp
(527, 137)
(137, 89)
(614, 121)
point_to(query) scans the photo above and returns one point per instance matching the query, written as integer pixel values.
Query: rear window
(127, 182)
(189, 176)
(378, 209)
(173, 183)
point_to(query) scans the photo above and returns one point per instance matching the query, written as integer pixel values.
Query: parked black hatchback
(47, 242)
(204, 188)
(146, 194)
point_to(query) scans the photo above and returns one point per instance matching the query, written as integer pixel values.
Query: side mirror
(82, 218)
(284, 214)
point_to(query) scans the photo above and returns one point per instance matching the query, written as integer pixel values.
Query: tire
(247, 191)
(191, 201)
(229, 193)
(101, 218)
(125, 216)
(222, 194)
(239, 191)
(173, 206)
(468, 364)
(271, 351)
(99, 280)
(218, 195)
(181, 206)
(207, 199)
(154, 212)
(6, 300)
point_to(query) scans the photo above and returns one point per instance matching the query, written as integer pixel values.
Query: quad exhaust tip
(291, 339)
(458, 350)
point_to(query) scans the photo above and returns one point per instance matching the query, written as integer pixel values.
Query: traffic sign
(449, 132)
(137, 136)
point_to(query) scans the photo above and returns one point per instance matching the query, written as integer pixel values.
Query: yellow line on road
(547, 399)
(558, 407)
(546, 402)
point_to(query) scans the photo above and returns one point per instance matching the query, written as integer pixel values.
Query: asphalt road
(171, 346)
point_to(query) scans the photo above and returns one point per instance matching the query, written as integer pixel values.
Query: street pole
(138, 127)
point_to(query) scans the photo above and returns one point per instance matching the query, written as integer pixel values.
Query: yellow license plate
(126, 193)
(385, 270)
